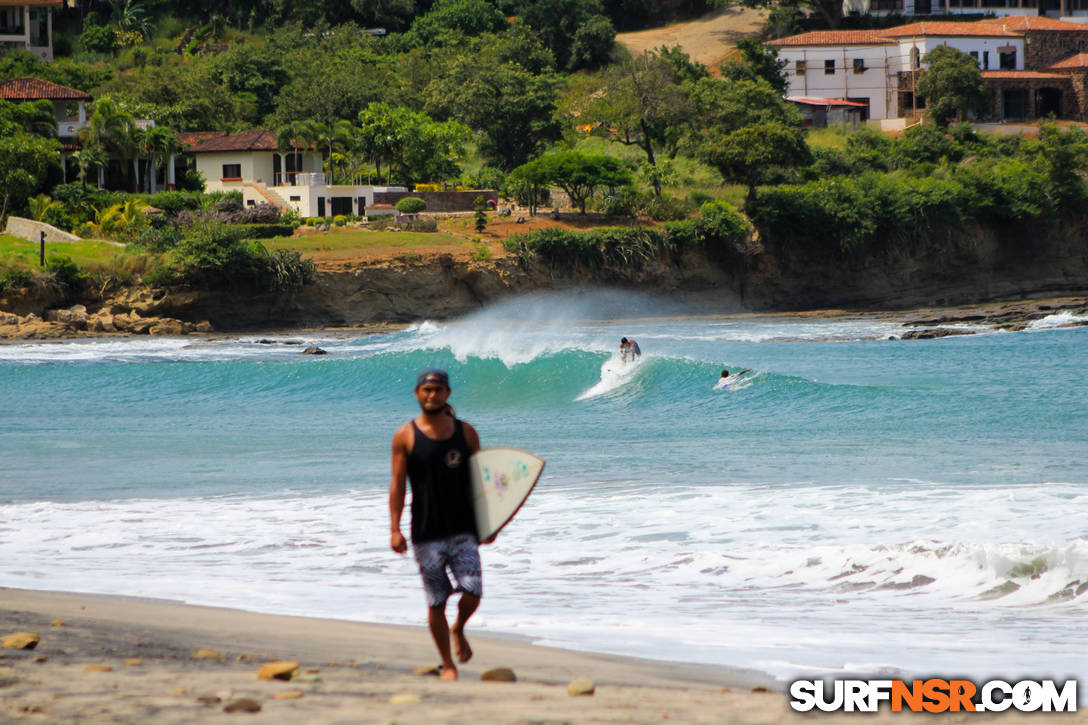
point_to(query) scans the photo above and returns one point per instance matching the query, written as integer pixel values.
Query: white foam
(1058, 319)
(615, 373)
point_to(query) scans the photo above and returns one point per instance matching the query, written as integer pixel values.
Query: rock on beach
(21, 640)
(280, 670)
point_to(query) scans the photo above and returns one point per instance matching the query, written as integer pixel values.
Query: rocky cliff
(954, 266)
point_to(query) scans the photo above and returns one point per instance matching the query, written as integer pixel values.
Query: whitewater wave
(615, 373)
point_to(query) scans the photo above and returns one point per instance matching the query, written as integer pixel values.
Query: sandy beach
(120, 660)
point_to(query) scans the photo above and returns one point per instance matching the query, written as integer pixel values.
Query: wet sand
(129, 660)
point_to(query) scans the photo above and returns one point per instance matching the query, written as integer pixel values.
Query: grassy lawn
(364, 241)
(16, 252)
(829, 137)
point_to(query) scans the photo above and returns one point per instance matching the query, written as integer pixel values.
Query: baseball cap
(433, 375)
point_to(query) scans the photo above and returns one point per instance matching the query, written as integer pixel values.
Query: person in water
(629, 349)
(726, 378)
(432, 452)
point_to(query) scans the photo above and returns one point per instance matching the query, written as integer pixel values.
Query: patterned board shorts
(461, 555)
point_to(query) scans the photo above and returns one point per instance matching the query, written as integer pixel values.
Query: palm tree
(36, 117)
(105, 129)
(289, 136)
(160, 144)
(87, 158)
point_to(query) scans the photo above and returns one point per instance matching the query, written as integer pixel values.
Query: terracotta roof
(1033, 22)
(833, 37)
(189, 139)
(825, 102)
(943, 29)
(1004, 75)
(1080, 60)
(258, 139)
(36, 89)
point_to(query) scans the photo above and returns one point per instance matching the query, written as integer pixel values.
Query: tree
(576, 173)
(25, 162)
(557, 22)
(757, 61)
(637, 102)
(829, 10)
(449, 21)
(480, 207)
(160, 145)
(109, 127)
(720, 107)
(511, 107)
(749, 155)
(952, 85)
(413, 145)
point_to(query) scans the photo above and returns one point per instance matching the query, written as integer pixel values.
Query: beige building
(28, 24)
(252, 162)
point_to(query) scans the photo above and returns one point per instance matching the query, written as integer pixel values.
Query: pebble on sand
(21, 640)
(98, 668)
(499, 674)
(581, 686)
(207, 654)
(760, 688)
(57, 623)
(405, 699)
(281, 670)
(289, 695)
(242, 704)
(133, 662)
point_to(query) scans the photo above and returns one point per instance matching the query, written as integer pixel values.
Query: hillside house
(1061, 9)
(28, 25)
(70, 107)
(1029, 63)
(253, 163)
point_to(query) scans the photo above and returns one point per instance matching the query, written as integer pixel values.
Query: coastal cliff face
(953, 266)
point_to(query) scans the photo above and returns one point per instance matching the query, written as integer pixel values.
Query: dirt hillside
(709, 39)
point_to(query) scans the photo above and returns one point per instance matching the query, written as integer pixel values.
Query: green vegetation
(952, 86)
(363, 240)
(411, 205)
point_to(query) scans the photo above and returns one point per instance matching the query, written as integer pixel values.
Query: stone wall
(1044, 48)
(997, 86)
(440, 200)
(31, 230)
(1079, 78)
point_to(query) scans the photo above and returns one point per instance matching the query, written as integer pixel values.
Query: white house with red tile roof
(70, 104)
(28, 24)
(880, 67)
(253, 163)
(1001, 8)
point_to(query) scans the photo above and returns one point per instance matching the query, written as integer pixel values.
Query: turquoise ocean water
(857, 503)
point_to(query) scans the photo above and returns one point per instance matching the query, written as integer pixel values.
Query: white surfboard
(502, 478)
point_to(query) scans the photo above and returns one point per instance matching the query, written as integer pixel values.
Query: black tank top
(441, 494)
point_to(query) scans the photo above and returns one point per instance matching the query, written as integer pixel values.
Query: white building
(1001, 8)
(880, 68)
(253, 163)
(28, 24)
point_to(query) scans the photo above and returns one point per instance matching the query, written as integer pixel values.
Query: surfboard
(502, 478)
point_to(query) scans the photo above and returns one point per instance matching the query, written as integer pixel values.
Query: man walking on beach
(432, 453)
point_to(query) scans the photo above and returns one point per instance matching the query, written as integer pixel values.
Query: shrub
(411, 205)
(614, 246)
(481, 252)
(265, 231)
(66, 272)
(626, 202)
(172, 202)
(15, 278)
(423, 224)
(98, 39)
(663, 208)
(698, 198)
(288, 270)
(339, 220)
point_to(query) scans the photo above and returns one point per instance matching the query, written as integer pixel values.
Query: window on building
(1007, 59)
(251, 202)
(802, 67)
(829, 67)
(859, 65)
(974, 54)
(232, 171)
(295, 198)
(985, 60)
